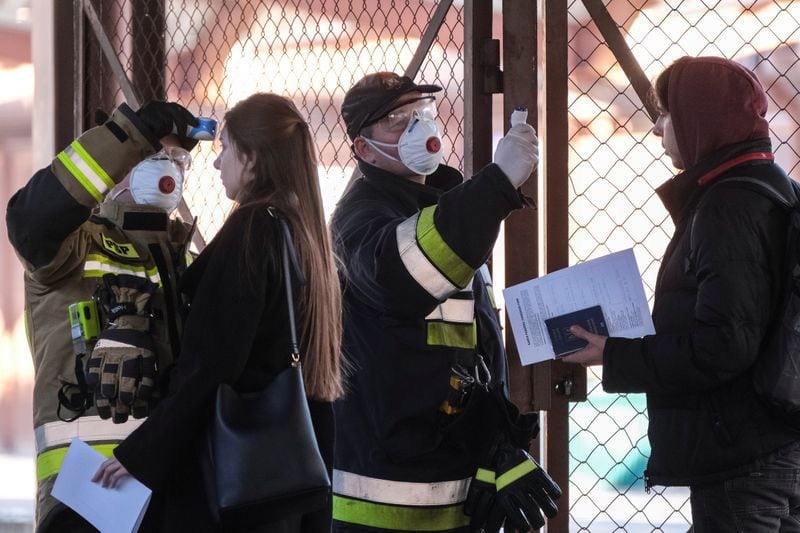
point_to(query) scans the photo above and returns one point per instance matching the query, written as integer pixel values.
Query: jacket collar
(133, 217)
(681, 193)
(410, 193)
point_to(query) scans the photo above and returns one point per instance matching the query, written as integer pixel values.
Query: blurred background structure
(582, 64)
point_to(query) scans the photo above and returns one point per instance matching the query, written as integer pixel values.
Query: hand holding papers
(612, 282)
(110, 510)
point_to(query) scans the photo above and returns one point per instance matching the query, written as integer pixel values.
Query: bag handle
(290, 265)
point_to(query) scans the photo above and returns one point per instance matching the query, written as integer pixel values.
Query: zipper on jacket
(647, 482)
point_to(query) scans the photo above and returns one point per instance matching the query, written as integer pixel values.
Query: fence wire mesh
(615, 164)
(215, 53)
(209, 54)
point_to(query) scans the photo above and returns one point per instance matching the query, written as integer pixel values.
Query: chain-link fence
(209, 54)
(615, 164)
(218, 52)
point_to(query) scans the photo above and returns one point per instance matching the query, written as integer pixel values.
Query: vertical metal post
(555, 205)
(79, 75)
(63, 73)
(477, 100)
(522, 227)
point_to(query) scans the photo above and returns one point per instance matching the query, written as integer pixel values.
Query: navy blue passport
(564, 343)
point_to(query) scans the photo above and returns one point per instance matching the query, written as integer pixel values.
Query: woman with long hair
(237, 328)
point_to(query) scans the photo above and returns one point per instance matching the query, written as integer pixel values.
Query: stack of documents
(611, 282)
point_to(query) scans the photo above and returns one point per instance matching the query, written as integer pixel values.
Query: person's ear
(364, 151)
(249, 170)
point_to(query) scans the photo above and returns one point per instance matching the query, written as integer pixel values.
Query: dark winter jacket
(415, 304)
(236, 332)
(715, 299)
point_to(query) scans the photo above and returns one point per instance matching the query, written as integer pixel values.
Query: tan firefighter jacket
(67, 237)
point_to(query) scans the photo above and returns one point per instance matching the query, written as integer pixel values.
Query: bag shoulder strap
(759, 187)
(290, 266)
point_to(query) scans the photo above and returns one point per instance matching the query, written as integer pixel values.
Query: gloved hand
(480, 498)
(122, 367)
(163, 118)
(517, 153)
(524, 492)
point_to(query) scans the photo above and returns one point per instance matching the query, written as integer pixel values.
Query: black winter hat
(373, 96)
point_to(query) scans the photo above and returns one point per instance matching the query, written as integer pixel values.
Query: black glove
(524, 492)
(480, 498)
(122, 367)
(163, 118)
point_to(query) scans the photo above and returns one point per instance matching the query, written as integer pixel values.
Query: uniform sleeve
(406, 266)
(216, 344)
(43, 216)
(735, 299)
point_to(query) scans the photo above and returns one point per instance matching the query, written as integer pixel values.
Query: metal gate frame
(534, 54)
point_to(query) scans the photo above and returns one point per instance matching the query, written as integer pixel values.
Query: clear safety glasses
(182, 158)
(397, 119)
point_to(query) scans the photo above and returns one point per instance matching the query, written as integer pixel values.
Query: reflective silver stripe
(95, 264)
(454, 310)
(87, 428)
(400, 492)
(88, 168)
(421, 269)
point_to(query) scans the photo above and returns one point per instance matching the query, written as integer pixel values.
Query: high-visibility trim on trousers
(49, 463)
(399, 492)
(86, 428)
(53, 439)
(398, 518)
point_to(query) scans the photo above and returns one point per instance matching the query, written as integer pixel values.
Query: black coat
(711, 313)
(236, 332)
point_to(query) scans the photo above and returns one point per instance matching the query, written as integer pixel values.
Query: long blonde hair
(269, 132)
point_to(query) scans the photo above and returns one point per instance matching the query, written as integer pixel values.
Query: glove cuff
(141, 323)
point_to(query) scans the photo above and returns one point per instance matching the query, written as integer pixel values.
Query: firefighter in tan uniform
(102, 259)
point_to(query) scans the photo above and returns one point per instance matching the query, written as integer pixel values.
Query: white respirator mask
(419, 147)
(158, 180)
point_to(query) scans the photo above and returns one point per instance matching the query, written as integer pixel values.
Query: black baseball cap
(373, 96)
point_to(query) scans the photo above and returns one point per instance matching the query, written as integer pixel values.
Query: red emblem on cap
(166, 184)
(433, 144)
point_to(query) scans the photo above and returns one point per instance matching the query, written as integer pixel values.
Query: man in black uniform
(426, 402)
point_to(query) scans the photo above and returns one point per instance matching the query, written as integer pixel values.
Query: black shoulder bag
(262, 460)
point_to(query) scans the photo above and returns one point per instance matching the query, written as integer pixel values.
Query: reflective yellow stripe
(453, 335)
(514, 474)
(49, 463)
(418, 266)
(92, 164)
(80, 178)
(398, 518)
(487, 476)
(97, 266)
(439, 252)
(86, 171)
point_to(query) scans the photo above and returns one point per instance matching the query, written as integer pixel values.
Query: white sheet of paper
(117, 510)
(612, 281)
